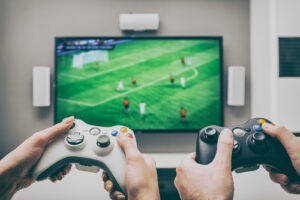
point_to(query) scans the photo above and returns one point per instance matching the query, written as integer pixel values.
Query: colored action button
(129, 135)
(257, 127)
(123, 130)
(261, 121)
(114, 133)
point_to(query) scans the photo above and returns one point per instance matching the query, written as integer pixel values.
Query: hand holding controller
(292, 145)
(91, 148)
(252, 146)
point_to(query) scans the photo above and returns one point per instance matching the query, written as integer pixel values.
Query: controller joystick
(103, 141)
(210, 135)
(90, 148)
(257, 142)
(251, 148)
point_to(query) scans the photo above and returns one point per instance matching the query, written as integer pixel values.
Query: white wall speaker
(41, 86)
(139, 22)
(236, 86)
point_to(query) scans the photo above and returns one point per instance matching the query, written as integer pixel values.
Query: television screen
(148, 84)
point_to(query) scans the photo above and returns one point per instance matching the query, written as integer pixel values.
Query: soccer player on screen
(182, 60)
(133, 81)
(182, 114)
(120, 86)
(182, 82)
(172, 79)
(142, 108)
(126, 105)
(189, 61)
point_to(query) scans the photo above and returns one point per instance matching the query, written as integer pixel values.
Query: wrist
(10, 175)
(221, 197)
(147, 194)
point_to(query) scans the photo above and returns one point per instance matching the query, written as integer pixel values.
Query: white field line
(128, 64)
(75, 102)
(133, 90)
(194, 75)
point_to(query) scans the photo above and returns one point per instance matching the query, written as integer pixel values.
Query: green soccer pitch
(90, 93)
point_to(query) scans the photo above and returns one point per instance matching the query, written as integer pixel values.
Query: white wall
(271, 96)
(269, 19)
(288, 16)
(289, 88)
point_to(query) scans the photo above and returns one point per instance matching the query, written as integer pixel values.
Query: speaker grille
(289, 57)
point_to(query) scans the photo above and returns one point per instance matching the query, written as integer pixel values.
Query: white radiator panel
(289, 103)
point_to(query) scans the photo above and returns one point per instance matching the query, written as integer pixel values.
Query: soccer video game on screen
(147, 84)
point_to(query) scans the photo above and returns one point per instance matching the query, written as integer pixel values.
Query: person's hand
(292, 145)
(16, 167)
(140, 176)
(213, 181)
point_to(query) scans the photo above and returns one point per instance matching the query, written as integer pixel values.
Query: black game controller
(251, 148)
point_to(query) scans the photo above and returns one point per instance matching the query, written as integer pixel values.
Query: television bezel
(218, 38)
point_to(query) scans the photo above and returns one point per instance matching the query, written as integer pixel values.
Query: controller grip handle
(205, 153)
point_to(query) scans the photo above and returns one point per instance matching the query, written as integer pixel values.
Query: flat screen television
(157, 84)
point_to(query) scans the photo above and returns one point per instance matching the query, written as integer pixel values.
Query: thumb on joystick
(224, 149)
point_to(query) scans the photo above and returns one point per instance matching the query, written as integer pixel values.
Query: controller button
(104, 132)
(236, 146)
(210, 135)
(257, 127)
(114, 133)
(103, 141)
(248, 129)
(238, 132)
(261, 121)
(75, 138)
(123, 129)
(129, 135)
(95, 131)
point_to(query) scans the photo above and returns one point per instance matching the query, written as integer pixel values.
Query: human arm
(16, 167)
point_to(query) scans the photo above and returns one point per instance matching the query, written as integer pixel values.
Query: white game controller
(91, 148)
